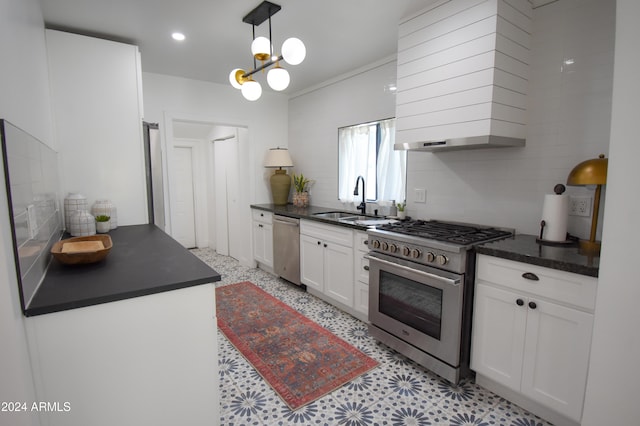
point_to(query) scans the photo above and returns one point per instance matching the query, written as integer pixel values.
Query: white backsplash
(569, 114)
(33, 191)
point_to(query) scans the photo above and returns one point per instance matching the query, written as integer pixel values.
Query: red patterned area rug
(301, 360)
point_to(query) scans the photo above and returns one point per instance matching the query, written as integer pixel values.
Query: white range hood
(463, 68)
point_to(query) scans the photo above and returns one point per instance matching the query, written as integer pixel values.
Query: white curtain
(357, 157)
(391, 167)
(354, 156)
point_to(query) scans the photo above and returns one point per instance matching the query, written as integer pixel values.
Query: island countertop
(144, 260)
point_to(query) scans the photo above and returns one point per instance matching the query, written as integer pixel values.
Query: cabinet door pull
(365, 242)
(260, 225)
(530, 276)
(519, 302)
(261, 214)
(325, 245)
(319, 243)
(365, 267)
(533, 305)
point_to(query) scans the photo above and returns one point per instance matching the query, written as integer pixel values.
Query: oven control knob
(385, 246)
(393, 248)
(415, 253)
(430, 257)
(406, 251)
(375, 243)
(442, 259)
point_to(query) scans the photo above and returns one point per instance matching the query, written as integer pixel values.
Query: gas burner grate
(448, 232)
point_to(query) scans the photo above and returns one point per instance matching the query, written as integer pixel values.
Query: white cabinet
(532, 335)
(361, 274)
(116, 363)
(96, 94)
(326, 261)
(263, 237)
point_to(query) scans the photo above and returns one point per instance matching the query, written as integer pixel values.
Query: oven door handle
(415, 271)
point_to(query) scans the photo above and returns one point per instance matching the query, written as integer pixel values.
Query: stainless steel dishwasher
(286, 248)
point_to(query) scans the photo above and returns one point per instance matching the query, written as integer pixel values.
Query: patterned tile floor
(398, 392)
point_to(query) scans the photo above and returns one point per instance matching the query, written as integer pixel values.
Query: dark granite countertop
(144, 260)
(308, 213)
(524, 248)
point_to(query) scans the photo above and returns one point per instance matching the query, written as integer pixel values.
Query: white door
(499, 323)
(312, 262)
(556, 356)
(227, 184)
(338, 276)
(182, 200)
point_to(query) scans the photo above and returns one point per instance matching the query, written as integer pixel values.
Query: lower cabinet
(116, 363)
(263, 237)
(532, 336)
(361, 275)
(326, 261)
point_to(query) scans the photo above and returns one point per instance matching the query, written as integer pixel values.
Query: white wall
(314, 119)
(568, 122)
(614, 373)
(265, 119)
(569, 117)
(25, 102)
(98, 123)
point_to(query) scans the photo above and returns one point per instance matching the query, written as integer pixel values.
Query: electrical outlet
(420, 195)
(580, 206)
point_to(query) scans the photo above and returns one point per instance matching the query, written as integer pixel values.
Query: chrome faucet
(363, 204)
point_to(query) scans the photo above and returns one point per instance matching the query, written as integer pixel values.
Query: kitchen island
(129, 340)
(144, 260)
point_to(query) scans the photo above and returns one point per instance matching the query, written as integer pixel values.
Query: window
(367, 150)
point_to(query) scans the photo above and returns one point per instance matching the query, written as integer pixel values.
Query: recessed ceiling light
(178, 36)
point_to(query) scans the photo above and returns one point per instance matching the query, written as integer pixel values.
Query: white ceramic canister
(72, 203)
(106, 207)
(82, 224)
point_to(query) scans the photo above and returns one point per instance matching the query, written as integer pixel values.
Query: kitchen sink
(334, 215)
(364, 220)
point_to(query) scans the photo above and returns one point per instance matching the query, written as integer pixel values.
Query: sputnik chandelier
(293, 53)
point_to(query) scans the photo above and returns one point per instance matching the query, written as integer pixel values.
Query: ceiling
(340, 35)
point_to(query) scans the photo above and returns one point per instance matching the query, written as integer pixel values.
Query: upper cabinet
(96, 93)
(463, 69)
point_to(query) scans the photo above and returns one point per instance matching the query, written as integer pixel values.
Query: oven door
(418, 304)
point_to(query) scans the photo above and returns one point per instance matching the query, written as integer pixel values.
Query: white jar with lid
(74, 202)
(82, 224)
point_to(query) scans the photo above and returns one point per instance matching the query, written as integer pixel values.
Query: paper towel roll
(555, 213)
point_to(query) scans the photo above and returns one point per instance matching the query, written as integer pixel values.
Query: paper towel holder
(591, 172)
(559, 189)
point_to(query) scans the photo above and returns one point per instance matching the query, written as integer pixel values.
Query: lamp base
(280, 187)
(589, 247)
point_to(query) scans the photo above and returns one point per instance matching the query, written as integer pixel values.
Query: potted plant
(301, 186)
(102, 223)
(402, 214)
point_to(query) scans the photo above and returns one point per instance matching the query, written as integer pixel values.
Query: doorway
(205, 196)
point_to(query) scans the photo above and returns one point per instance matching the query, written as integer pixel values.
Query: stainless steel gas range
(421, 290)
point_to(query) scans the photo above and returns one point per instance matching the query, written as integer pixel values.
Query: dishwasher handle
(283, 220)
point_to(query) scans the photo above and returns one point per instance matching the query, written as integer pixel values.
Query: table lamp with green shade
(591, 172)
(280, 181)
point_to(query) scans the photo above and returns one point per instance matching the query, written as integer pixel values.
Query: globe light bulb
(278, 78)
(293, 51)
(233, 80)
(261, 48)
(251, 90)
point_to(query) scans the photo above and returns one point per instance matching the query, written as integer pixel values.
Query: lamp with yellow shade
(280, 181)
(591, 172)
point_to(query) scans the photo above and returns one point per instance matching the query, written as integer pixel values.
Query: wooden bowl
(86, 253)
